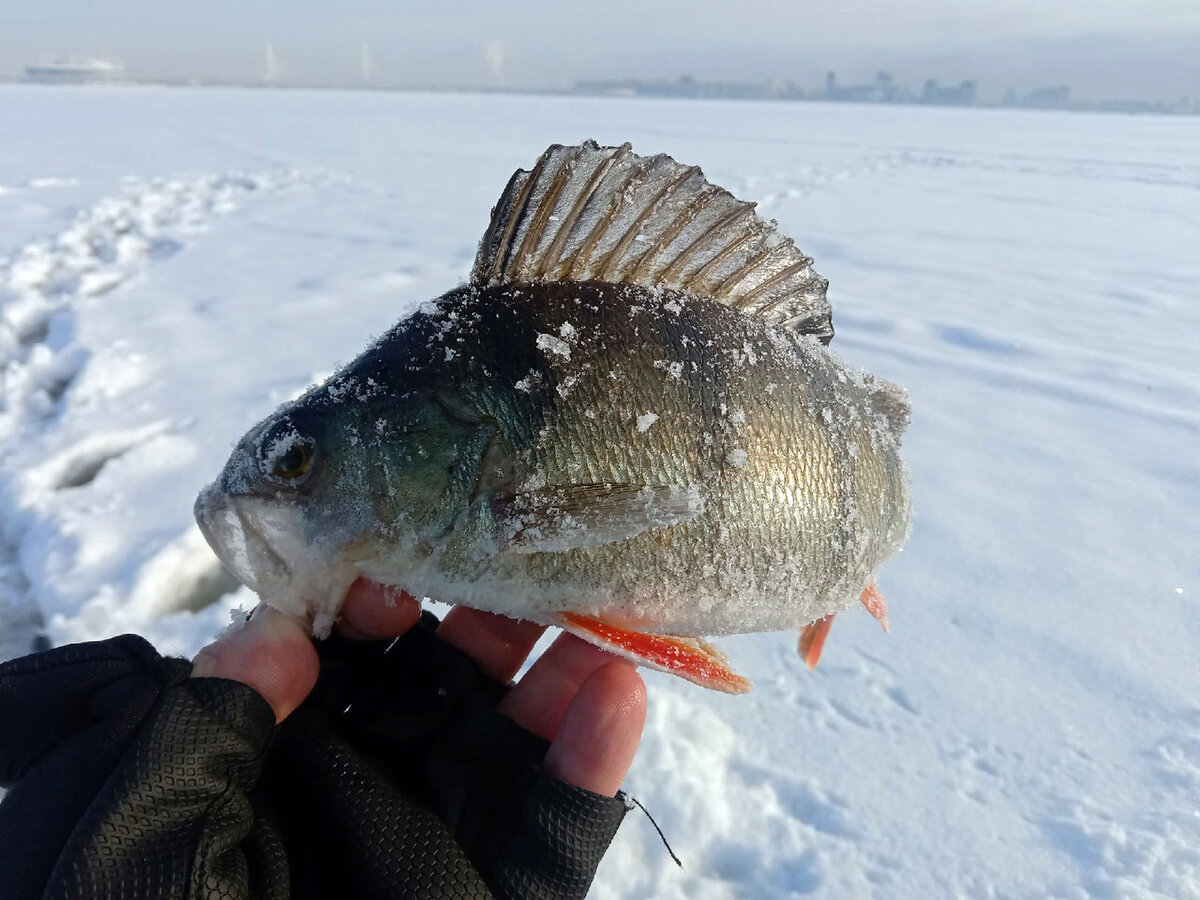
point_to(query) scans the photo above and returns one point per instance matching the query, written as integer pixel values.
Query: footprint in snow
(79, 465)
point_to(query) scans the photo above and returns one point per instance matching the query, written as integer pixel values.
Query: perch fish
(627, 424)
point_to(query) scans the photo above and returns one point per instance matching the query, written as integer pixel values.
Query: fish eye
(294, 463)
(286, 454)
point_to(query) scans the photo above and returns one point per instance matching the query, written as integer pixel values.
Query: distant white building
(75, 71)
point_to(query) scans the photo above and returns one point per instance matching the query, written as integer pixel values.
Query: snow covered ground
(174, 263)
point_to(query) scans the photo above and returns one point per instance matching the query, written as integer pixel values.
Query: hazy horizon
(1100, 49)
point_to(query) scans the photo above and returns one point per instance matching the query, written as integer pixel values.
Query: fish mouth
(235, 527)
(264, 543)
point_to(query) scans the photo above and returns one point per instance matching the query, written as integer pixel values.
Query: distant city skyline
(884, 89)
(1103, 49)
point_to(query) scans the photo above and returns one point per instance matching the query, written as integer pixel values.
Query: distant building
(882, 90)
(850, 93)
(1056, 97)
(784, 89)
(935, 94)
(75, 71)
(688, 87)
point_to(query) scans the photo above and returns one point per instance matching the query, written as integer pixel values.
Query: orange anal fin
(687, 657)
(876, 605)
(812, 640)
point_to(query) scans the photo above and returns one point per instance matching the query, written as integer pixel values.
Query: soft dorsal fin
(891, 402)
(592, 213)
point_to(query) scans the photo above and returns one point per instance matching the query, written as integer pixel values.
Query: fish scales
(776, 544)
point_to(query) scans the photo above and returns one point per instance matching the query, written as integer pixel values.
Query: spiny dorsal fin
(591, 213)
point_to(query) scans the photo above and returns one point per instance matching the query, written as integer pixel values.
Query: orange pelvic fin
(876, 605)
(812, 640)
(687, 657)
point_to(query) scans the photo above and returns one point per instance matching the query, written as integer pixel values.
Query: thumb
(272, 653)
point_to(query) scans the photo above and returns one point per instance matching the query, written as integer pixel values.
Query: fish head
(329, 486)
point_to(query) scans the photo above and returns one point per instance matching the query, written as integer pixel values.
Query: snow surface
(175, 263)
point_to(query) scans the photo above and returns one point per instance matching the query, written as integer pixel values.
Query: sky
(1102, 49)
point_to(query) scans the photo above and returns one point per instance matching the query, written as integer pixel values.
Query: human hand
(589, 704)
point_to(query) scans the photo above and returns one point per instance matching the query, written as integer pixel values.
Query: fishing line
(662, 837)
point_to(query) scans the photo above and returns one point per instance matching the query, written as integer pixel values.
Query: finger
(272, 653)
(497, 643)
(373, 611)
(539, 701)
(599, 735)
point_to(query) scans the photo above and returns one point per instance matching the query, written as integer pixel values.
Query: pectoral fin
(687, 657)
(568, 517)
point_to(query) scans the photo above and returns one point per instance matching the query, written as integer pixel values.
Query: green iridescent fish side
(583, 384)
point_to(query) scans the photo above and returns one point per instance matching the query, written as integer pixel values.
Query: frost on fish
(645, 420)
(627, 424)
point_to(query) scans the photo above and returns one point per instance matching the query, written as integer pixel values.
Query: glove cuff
(562, 834)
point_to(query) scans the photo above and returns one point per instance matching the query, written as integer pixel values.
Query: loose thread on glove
(662, 837)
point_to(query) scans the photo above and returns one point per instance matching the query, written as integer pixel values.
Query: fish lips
(235, 526)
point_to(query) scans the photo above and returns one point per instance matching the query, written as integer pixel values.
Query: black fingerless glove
(397, 777)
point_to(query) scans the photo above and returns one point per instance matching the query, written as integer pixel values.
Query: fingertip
(497, 643)
(600, 732)
(374, 610)
(272, 653)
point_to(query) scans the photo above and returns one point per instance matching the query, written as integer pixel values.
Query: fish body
(621, 435)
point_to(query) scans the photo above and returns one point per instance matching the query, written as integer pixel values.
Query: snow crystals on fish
(673, 368)
(645, 420)
(550, 344)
